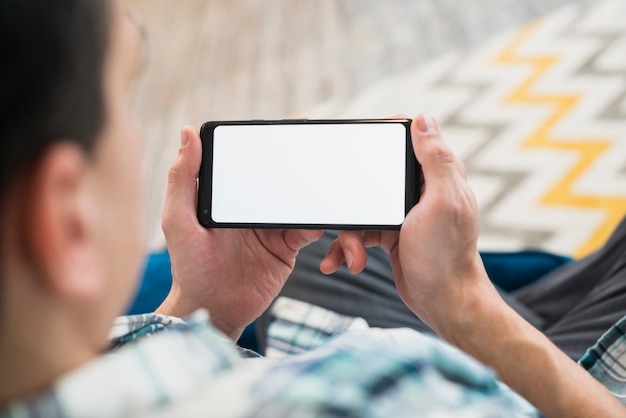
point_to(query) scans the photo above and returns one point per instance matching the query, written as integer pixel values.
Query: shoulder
(148, 370)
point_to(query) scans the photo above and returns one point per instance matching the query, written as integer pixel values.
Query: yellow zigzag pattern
(588, 150)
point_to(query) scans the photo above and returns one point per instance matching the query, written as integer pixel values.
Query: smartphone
(307, 174)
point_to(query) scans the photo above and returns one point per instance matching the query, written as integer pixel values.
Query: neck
(37, 346)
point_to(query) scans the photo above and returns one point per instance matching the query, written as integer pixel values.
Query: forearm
(526, 360)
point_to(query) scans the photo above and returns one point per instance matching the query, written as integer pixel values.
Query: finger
(399, 116)
(385, 239)
(182, 192)
(370, 238)
(297, 239)
(353, 250)
(333, 259)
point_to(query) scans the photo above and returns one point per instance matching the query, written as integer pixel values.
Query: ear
(57, 229)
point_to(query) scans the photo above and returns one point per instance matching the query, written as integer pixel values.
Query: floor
(244, 59)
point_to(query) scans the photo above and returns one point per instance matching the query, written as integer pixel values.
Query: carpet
(538, 115)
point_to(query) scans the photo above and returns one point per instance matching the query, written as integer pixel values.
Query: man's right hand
(434, 257)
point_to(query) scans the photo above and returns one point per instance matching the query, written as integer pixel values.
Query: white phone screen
(323, 174)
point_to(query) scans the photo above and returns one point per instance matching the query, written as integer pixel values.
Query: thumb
(438, 162)
(181, 196)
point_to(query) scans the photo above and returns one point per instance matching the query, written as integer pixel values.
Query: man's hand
(235, 274)
(434, 255)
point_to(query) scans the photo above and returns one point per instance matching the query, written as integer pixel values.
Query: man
(72, 241)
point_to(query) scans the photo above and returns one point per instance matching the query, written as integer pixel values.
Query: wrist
(174, 304)
(232, 332)
(479, 311)
(178, 305)
(459, 301)
(467, 312)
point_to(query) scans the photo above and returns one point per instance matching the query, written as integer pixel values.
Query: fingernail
(184, 137)
(349, 258)
(427, 124)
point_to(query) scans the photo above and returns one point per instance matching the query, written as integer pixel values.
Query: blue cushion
(513, 270)
(155, 283)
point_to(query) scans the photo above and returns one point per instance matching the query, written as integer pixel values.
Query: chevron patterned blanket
(538, 115)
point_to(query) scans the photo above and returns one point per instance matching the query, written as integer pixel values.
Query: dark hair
(51, 77)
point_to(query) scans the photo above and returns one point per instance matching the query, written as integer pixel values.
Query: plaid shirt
(606, 360)
(191, 370)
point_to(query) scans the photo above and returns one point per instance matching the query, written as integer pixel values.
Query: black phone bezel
(413, 171)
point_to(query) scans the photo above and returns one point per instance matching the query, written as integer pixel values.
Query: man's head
(70, 185)
(51, 77)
